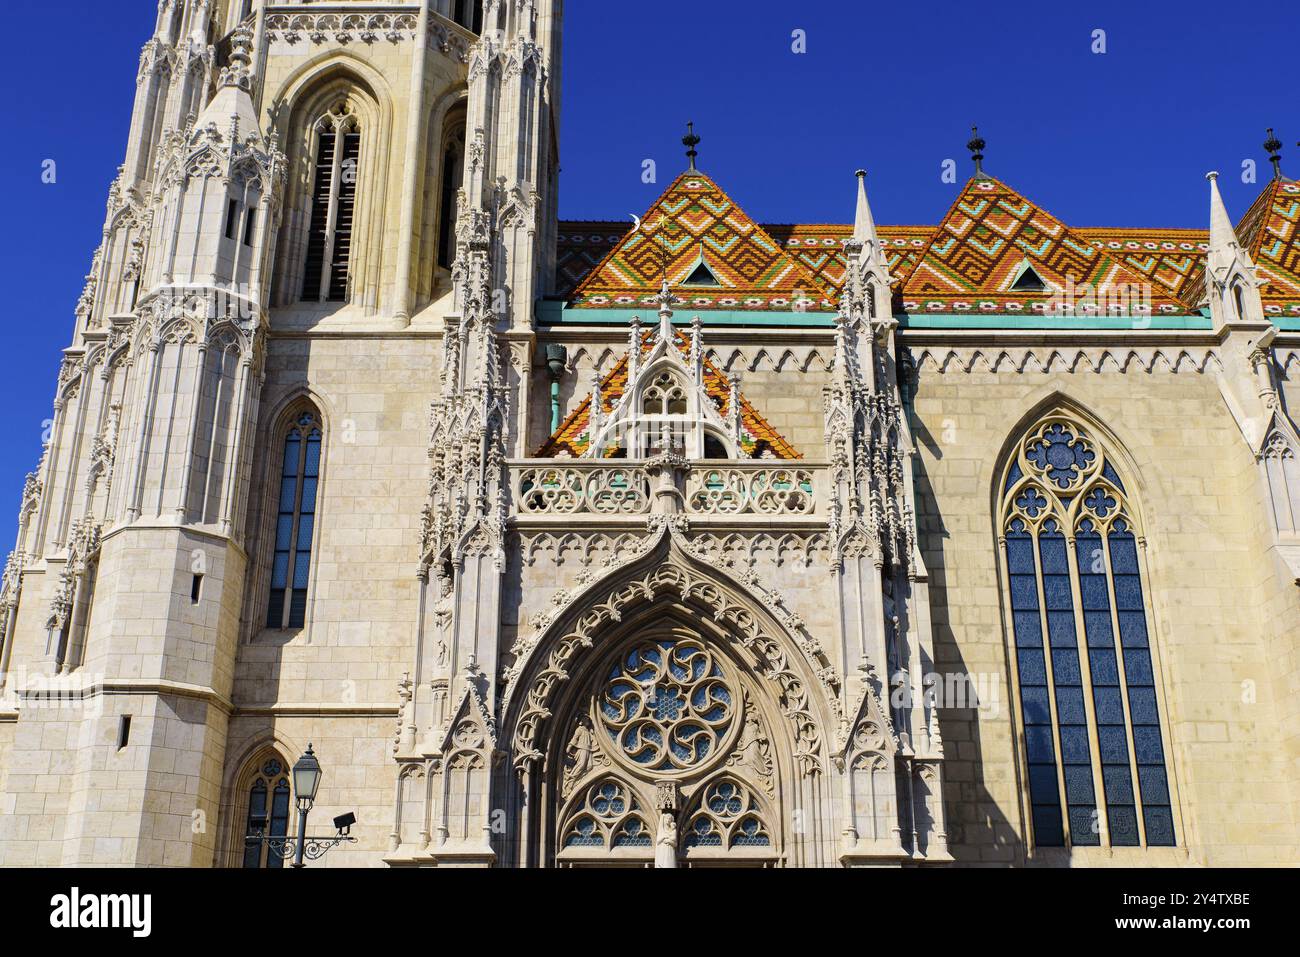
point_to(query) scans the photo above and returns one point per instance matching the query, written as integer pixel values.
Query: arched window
(295, 523)
(666, 395)
(610, 816)
(1239, 301)
(727, 817)
(333, 206)
(1092, 735)
(668, 761)
(267, 814)
(453, 158)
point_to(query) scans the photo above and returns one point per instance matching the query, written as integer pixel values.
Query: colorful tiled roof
(695, 222)
(580, 248)
(758, 438)
(980, 249)
(1172, 258)
(965, 264)
(1270, 232)
(820, 249)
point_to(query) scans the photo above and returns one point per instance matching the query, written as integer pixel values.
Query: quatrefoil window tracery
(610, 816)
(667, 706)
(1062, 476)
(727, 817)
(1060, 454)
(665, 396)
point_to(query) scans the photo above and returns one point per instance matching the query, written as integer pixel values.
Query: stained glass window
(295, 523)
(1093, 748)
(268, 815)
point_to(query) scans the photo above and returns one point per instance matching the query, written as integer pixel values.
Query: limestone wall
(1195, 485)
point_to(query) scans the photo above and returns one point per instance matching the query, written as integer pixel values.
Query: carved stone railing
(577, 489)
(717, 490)
(728, 490)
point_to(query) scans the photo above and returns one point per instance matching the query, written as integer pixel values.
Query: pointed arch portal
(668, 720)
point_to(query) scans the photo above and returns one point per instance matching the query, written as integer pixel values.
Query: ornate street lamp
(306, 783)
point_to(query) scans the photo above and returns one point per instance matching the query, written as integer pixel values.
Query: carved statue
(666, 842)
(580, 749)
(752, 748)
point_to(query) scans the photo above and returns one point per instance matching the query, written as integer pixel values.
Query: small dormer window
(702, 275)
(1029, 281)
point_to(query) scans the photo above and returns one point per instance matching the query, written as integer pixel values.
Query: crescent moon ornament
(636, 222)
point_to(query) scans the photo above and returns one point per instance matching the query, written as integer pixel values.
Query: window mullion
(331, 214)
(297, 521)
(1045, 626)
(1122, 668)
(1089, 704)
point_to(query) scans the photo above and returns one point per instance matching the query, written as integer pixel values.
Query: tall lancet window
(1093, 746)
(295, 523)
(333, 206)
(267, 815)
(453, 160)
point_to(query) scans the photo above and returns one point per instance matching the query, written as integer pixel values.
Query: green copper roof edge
(1092, 323)
(555, 313)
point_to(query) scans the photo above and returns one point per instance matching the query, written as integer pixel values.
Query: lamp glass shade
(306, 776)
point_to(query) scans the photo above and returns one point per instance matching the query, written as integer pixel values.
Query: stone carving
(669, 578)
(369, 28)
(945, 360)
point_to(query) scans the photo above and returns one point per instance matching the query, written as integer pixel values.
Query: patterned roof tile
(758, 437)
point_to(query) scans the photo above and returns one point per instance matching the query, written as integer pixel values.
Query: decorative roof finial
(236, 73)
(976, 147)
(1274, 147)
(690, 141)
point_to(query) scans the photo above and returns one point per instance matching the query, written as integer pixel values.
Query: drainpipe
(556, 359)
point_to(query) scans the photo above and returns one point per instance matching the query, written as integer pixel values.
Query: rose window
(1061, 455)
(666, 706)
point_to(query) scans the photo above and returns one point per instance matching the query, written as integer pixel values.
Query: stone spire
(1222, 236)
(1231, 287)
(233, 102)
(864, 226)
(867, 291)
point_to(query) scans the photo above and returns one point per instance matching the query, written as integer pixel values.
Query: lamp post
(306, 782)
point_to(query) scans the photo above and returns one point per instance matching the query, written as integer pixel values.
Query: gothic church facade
(680, 542)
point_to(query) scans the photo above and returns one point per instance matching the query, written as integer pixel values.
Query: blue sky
(1122, 138)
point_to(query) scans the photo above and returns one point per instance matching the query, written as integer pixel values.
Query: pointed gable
(758, 439)
(1270, 233)
(694, 222)
(980, 249)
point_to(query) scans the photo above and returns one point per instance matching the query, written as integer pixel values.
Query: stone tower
(689, 541)
(395, 165)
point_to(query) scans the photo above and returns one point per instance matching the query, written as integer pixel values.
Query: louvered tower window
(295, 523)
(333, 208)
(469, 14)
